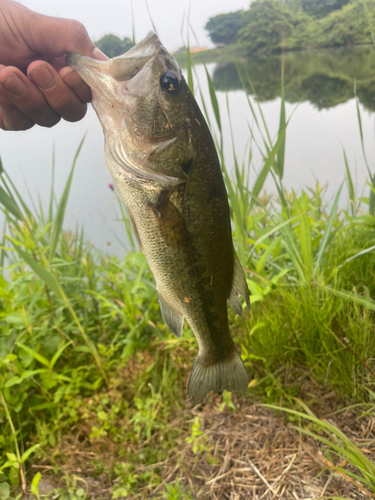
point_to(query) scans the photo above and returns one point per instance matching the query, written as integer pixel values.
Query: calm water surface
(324, 121)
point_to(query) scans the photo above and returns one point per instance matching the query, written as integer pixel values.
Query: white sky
(114, 16)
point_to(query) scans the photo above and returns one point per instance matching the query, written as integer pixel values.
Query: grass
(224, 54)
(92, 381)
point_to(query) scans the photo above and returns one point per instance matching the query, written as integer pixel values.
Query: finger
(59, 36)
(56, 92)
(24, 95)
(75, 82)
(11, 118)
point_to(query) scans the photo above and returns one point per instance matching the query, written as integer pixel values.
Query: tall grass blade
(371, 207)
(265, 170)
(150, 16)
(206, 115)
(34, 354)
(51, 199)
(133, 24)
(18, 195)
(361, 136)
(350, 184)
(238, 220)
(9, 204)
(241, 187)
(339, 443)
(276, 228)
(260, 110)
(290, 243)
(372, 177)
(43, 274)
(2, 249)
(359, 254)
(357, 299)
(305, 243)
(60, 211)
(214, 103)
(281, 152)
(327, 231)
(189, 69)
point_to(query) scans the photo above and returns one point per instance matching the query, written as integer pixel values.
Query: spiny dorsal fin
(239, 287)
(173, 320)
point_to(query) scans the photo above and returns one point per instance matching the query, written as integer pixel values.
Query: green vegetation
(113, 46)
(267, 26)
(316, 8)
(219, 55)
(92, 383)
(224, 28)
(274, 26)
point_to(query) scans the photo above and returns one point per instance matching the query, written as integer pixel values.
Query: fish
(164, 163)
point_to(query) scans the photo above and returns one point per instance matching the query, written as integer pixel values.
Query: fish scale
(163, 160)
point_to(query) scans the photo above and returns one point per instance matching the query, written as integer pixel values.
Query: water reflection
(324, 78)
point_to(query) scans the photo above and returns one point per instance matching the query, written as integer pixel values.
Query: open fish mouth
(112, 82)
(120, 69)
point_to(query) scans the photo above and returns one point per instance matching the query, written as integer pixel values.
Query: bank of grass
(93, 386)
(219, 55)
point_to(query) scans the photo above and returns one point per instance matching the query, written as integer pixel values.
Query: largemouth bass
(163, 160)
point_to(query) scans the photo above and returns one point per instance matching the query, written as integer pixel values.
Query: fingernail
(14, 85)
(42, 77)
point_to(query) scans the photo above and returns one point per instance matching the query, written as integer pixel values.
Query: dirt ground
(250, 453)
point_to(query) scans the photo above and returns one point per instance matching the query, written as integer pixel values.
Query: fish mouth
(121, 69)
(127, 75)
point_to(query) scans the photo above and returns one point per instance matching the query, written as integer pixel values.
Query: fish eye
(170, 82)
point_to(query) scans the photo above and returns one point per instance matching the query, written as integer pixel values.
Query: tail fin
(226, 375)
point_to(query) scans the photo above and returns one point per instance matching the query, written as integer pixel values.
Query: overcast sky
(114, 16)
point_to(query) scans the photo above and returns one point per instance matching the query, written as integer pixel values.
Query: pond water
(319, 92)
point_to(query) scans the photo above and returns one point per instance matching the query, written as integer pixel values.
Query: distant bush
(224, 28)
(268, 24)
(113, 46)
(316, 8)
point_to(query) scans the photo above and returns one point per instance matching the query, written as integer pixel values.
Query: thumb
(58, 36)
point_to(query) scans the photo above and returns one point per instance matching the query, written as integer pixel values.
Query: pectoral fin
(173, 320)
(135, 229)
(239, 287)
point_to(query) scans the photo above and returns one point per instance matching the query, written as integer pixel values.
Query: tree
(113, 46)
(321, 8)
(224, 28)
(267, 25)
(316, 8)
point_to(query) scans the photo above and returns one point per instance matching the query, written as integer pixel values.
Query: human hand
(37, 44)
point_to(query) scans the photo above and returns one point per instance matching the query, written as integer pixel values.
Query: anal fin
(173, 320)
(239, 287)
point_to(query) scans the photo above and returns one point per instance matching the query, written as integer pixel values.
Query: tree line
(277, 25)
(113, 46)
